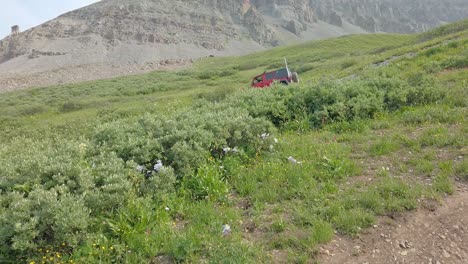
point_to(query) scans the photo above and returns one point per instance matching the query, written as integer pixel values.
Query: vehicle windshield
(282, 73)
(257, 79)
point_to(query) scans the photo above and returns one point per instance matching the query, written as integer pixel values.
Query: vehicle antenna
(286, 62)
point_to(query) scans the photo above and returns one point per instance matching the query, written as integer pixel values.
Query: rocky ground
(9, 82)
(434, 234)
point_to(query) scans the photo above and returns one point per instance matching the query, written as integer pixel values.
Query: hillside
(396, 16)
(368, 146)
(115, 38)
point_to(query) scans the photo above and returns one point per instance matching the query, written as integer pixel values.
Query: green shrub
(186, 139)
(444, 30)
(437, 136)
(425, 167)
(383, 147)
(357, 126)
(56, 193)
(42, 219)
(443, 184)
(348, 63)
(458, 62)
(278, 226)
(206, 184)
(322, 232)
(305, 68)
(424, 89)
(159, 184)
(432, 67)
(432, 51)
(398, 195)
(351, 222)
(70, 107)
(30, 110)
(461, 169)
(433, 114)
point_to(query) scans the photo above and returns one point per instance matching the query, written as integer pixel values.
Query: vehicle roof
(270, 72)
(277, 70)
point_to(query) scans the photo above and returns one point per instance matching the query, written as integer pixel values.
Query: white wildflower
(294, 161)
(226, 150)
(158, 166)
(83, 147)
(140, 168)
(226, 230)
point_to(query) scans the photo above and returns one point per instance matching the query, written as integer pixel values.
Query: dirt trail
(432, 234)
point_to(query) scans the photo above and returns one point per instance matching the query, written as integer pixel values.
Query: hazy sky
(30, 13)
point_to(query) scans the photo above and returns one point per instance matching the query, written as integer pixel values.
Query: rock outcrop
(396, 16)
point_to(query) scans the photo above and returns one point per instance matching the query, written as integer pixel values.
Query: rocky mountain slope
(149, 34)
(397, 16)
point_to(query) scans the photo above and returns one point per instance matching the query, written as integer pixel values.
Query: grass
(461, 169)
(351, 171)
(384, 147)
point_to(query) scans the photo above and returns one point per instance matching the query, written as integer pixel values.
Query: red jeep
(283, 76)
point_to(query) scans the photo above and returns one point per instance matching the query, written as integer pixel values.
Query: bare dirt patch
(428, 235)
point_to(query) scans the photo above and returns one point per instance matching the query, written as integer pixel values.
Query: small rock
(326, 252)
(404, 253)
(445, 254)
(404, 244)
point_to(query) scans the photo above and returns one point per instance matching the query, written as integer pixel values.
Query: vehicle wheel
(295, 77)
(284, 82)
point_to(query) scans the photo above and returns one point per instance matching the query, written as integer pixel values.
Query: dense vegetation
(77, 175)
